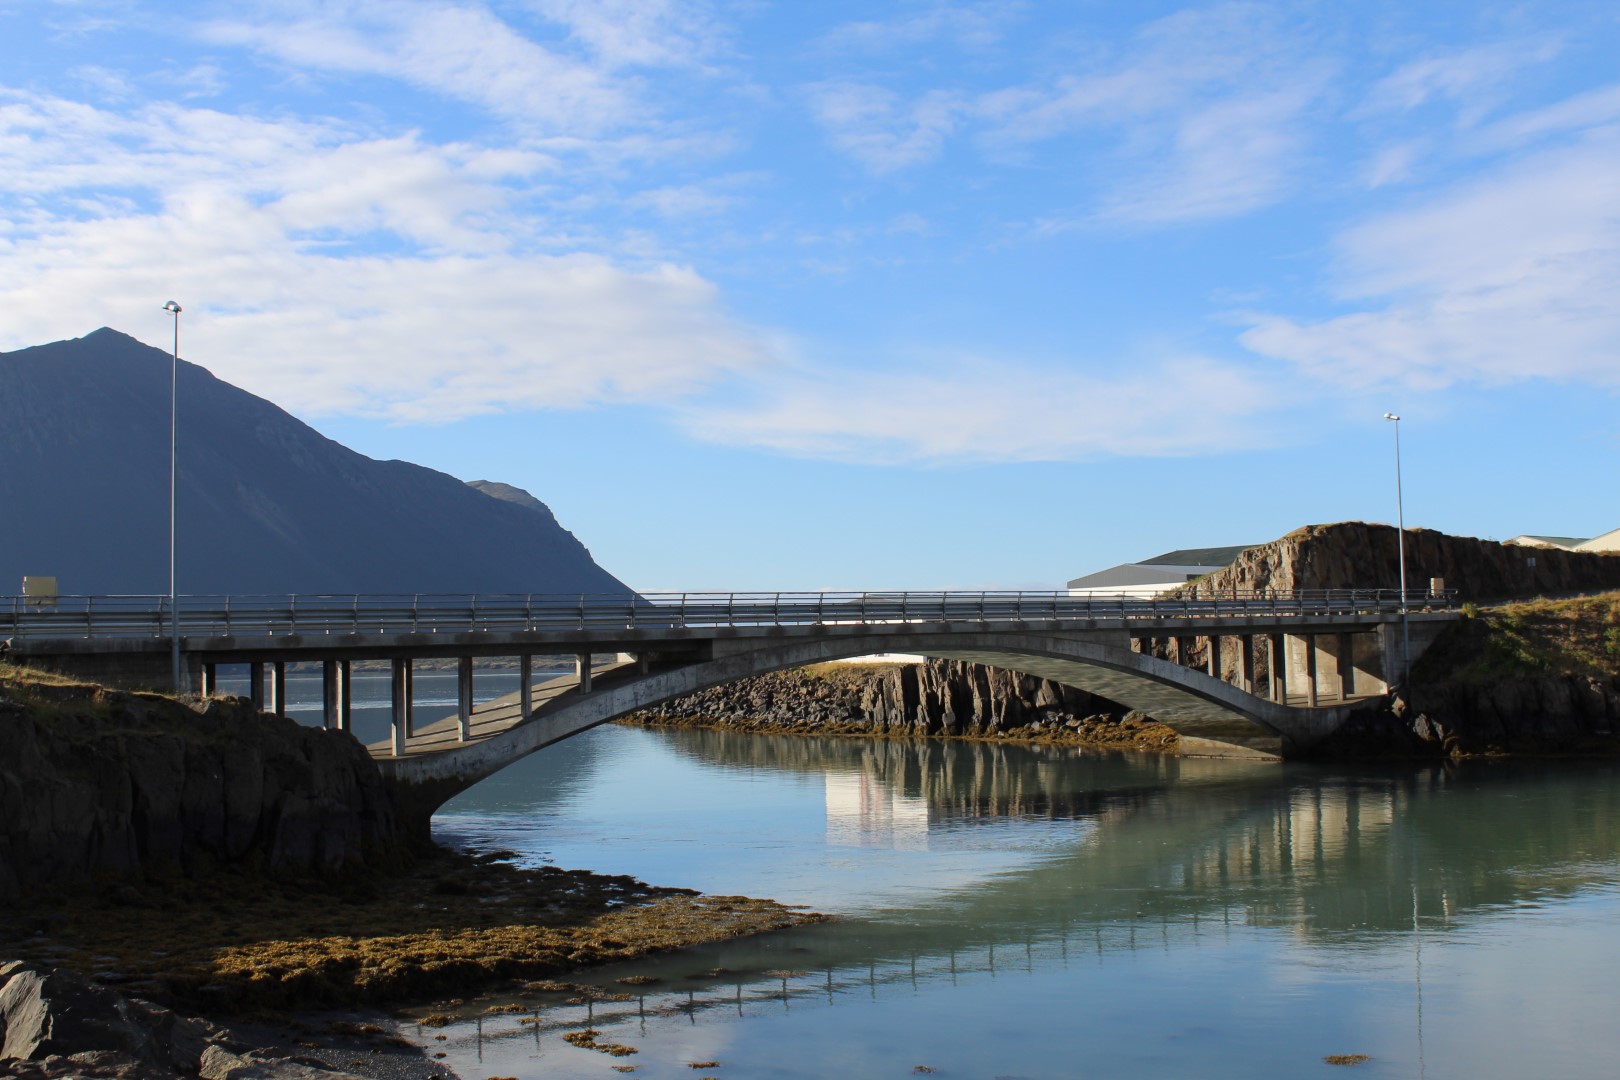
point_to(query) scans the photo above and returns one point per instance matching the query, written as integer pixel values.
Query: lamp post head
(172, 308)
(1387, 416)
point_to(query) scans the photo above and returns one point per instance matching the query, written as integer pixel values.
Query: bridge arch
(1213, 716)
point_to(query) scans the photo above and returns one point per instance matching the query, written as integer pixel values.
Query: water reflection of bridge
(1326, 859)
(1323, 852)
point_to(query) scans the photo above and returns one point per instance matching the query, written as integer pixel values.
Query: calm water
(1019, 912)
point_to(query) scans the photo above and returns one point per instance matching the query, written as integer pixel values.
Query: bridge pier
(210, 680)
(1214, 665)
(582, 671)
(1309, 641)
(256, 685)
(1277, 667)
(1247, 641)
(400, 705)
(336, 695)
(526, 685)
(278, 685)
(464, 698)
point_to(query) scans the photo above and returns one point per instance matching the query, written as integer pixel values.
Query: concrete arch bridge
(1325, 651)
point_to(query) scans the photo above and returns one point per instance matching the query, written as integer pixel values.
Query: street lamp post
(1400, 547)
(174, 443)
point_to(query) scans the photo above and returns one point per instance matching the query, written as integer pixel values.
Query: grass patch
(1536, 638)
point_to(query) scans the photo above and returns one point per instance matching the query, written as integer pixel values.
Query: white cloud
(336, 273)
(1508, 277)
(994, 411)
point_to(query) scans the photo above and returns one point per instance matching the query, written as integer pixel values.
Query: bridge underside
(1213, 716)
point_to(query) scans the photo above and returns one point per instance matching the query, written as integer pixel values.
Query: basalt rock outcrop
(1572, 714)
(55, 1023)
(101, 785)
(946, 698)
(1356, 554)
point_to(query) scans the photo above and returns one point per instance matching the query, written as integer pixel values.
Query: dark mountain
(265, 503)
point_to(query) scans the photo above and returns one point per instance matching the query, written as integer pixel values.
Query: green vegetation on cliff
(1578, 637)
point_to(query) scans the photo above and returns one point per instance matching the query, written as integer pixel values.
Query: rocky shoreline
(221, 863)
(936, 699)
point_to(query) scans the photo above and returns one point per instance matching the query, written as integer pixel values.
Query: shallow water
(1012, 911)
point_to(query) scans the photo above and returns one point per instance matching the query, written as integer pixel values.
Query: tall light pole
(174, 445)
(1400, 548)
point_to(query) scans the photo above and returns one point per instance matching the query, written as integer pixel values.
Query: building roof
(1140, 574)
(1173, 567)
(1609, 541)
(1212, 557)
(1532, 540)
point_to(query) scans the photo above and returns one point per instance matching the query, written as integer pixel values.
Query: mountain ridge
(265, 503)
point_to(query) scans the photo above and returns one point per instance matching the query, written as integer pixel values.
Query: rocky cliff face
(939, 697)
(1548, 715)
(99, 784)
(1355, 554)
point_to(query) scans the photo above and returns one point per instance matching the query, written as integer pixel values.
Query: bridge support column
(1277, 667)
(1214, 666)
(1309, 641)
(278, 687)
(400, 703)
(464, 698)
(1247, 641)
(345, 696)
(1347, 668)
(526, 685)
(582, 669)
(329, 694)
(256, 685)
(210, 680)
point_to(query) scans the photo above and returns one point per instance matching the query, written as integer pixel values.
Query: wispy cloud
(877, 128)
(1471, 78)
(461, 50)
(1508, 277)
(992, 410)
(1203, 115)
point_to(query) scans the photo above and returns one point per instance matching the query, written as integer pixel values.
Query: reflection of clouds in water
(863, 811)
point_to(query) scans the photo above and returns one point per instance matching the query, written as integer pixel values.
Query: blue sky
(770, 295)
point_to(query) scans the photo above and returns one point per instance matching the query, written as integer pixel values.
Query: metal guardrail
(24, 617)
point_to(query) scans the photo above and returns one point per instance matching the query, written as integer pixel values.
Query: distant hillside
(266, 503)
